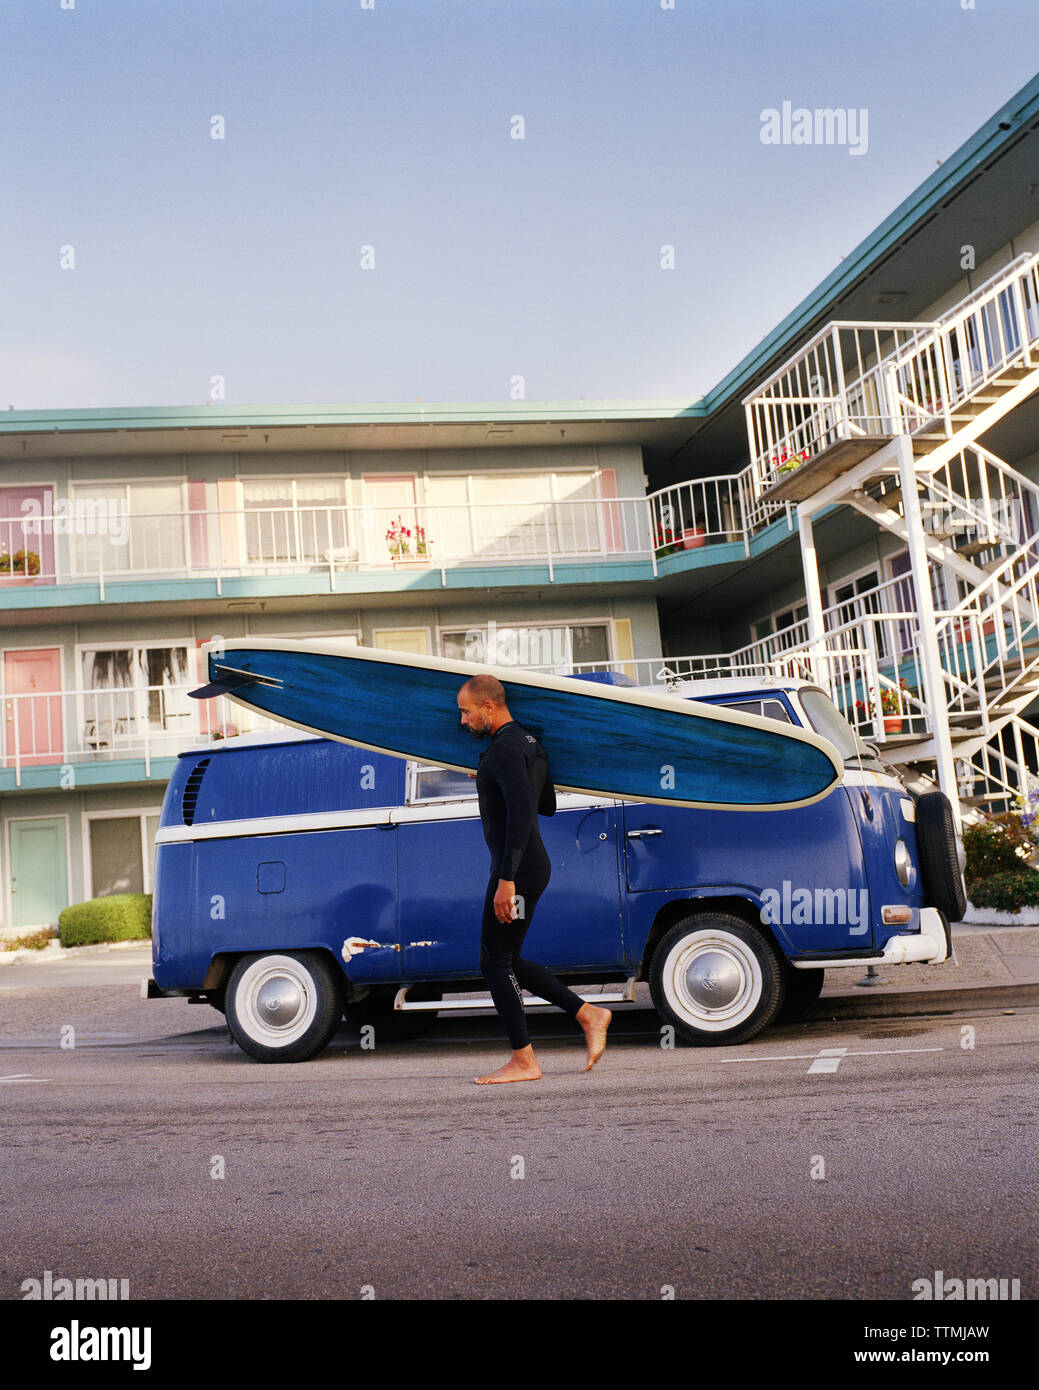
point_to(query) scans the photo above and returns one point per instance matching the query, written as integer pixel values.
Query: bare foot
(595, 1022)
(518, 1068)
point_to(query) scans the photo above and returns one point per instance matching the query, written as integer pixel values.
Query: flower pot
(892, 723)
(692, 537)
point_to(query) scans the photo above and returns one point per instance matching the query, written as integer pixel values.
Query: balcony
(855, 386)
(77, 553)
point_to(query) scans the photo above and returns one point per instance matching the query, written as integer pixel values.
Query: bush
(120, 917)
(993, 848)
(1006, 892)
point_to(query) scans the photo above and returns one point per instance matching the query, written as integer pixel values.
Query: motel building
(856, 502)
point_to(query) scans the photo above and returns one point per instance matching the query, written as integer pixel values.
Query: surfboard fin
(231, 678)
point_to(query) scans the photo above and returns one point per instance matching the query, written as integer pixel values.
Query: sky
(370, 228)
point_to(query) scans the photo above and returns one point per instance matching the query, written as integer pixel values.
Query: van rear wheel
(716, 979)
(283, 1007)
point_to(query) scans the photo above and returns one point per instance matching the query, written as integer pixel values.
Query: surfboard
(626, 742)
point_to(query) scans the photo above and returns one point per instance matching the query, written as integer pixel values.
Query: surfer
(513, 785)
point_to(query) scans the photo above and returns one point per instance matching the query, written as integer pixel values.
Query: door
(17, 504)
(39, 872)
(443, 867)
(813, 850)
(32, 717)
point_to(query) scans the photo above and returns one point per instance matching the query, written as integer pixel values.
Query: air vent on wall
(192, 787)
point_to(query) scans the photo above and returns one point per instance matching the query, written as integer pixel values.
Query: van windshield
(826, 719)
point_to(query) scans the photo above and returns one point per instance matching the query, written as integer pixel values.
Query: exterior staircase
(887, 419)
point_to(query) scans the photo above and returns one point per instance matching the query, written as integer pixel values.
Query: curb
(936, 1001)
(55, 951)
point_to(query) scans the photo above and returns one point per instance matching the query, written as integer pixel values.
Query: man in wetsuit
(513, 785)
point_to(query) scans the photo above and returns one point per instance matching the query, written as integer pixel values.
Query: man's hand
(504, 900)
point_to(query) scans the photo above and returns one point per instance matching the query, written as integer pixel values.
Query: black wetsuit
(513, 785)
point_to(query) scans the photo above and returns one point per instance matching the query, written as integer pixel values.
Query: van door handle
(641, 834)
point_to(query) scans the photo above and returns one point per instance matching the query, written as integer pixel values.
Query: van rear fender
(741, 903)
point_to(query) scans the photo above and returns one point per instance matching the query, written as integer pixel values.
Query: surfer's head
(481, 705)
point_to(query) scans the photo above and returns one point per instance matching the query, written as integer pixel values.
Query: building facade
(857, 502)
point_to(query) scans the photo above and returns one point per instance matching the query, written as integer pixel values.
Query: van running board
(402, 1004)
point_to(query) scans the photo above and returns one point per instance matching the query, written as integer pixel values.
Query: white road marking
(829, 1059)
(23, 1076)
(810, 1056)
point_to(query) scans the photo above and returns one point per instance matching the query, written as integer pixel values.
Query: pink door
(31, 553)
(32, 721)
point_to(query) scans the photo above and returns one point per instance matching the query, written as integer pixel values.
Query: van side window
(767, 709)
(428, 783)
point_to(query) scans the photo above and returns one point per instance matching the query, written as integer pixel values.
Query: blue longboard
(623, 742)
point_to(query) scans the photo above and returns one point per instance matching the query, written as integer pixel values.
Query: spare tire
(939, 860)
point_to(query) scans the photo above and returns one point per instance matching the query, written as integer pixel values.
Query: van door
(443, 867)
(811, 857)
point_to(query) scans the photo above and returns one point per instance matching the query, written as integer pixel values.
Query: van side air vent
(192, 787)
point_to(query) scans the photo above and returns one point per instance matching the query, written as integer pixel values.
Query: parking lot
(830, 1159)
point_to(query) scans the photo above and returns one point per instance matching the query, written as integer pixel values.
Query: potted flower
(224, 731)
(785, 462)
(664, 540)
(693, 536)
(19, 568)
(891, 704)
(398, 537)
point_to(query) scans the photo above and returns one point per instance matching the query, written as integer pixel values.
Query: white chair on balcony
(342, 557)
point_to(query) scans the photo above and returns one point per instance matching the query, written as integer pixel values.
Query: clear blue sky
(493, 256)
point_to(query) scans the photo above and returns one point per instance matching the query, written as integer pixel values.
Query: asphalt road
(761, 1171)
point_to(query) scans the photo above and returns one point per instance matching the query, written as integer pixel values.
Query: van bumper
(931, 945)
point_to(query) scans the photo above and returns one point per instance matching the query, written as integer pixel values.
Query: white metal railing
(328, 540)
(833, 389)
(77, 727)
(971, 346)
(854, 380)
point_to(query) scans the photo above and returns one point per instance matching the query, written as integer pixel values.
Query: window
(766, 709)
(122, 852)
(134, 692)
(558, 647)
(440, 783)
(131, 528)
(294, 520)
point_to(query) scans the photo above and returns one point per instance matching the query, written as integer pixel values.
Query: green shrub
(120, 917)
(993, 848)
(1006, 892)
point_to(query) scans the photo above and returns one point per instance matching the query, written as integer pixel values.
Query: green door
(39, 878)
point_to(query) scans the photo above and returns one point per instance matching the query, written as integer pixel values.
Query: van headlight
(903, 863)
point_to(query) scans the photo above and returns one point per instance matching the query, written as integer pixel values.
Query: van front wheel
(283, 1007)
(716, 979)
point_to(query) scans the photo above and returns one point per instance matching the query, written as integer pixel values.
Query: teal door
(39, 877)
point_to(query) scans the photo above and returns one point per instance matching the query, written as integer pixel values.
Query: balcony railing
(329, 541)
(854, 381)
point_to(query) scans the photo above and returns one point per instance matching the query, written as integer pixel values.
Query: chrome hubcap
(713, 980)
(279, 1002)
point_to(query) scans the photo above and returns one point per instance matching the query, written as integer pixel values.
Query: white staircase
(861, 413)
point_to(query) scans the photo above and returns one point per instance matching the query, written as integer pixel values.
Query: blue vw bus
(299, 879)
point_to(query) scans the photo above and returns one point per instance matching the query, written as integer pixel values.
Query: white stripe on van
(458, 808)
